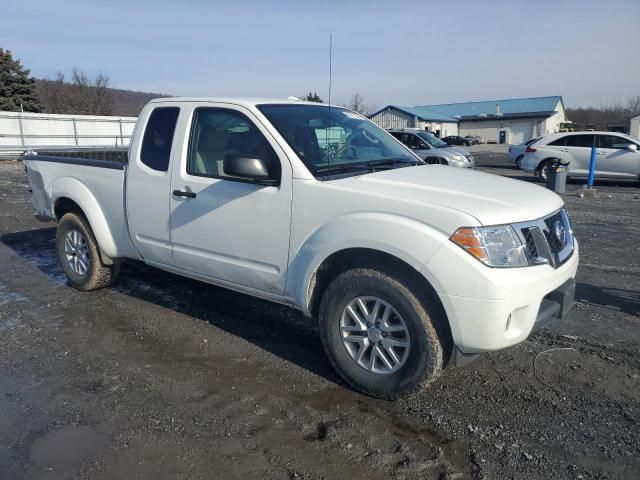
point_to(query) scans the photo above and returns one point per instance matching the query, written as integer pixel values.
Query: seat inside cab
(218, 133)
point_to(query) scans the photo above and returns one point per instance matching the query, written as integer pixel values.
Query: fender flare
(407, 239)
(75, 190)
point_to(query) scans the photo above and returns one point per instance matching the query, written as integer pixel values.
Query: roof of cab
(237, 100)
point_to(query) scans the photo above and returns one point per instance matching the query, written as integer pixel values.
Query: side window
(613, 141)
(158, 138)
(579, 141)
(412, 141)
(216, 133)
(560, 142)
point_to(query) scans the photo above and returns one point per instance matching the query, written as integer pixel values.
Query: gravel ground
(164, 377)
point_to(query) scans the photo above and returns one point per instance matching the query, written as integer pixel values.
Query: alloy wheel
(375, 335)
(76, 252)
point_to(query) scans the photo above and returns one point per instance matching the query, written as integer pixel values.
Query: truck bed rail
(115, 158)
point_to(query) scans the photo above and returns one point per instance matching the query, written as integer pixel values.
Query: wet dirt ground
(164, 377)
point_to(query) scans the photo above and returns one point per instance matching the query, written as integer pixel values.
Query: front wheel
(378, 335)
(79, 255)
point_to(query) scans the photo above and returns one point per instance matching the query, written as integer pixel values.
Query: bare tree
(53, 94)
(80, 100)
(606, 115)
(82, 96)
(633, 105)
(357, 104)
(102, 99)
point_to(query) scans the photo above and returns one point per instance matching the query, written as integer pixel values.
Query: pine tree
(312, 97)
(16, 87)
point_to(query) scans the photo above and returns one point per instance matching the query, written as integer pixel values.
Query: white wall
(518, 130)
(445, 128)
(552, 124)
(391, 118)
(24, 130)
(634, 128)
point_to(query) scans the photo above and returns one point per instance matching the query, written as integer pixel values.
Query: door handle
(183, 193)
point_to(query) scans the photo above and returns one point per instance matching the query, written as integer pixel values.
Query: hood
(491, 199)
(455, 149)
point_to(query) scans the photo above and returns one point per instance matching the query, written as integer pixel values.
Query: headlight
(457, 158)
(496, 246)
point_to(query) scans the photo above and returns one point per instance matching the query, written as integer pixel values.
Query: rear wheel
(519, 161)
(79, 255)
(378, 336)
(543, 168)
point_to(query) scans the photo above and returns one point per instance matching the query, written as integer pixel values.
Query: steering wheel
(347, 151)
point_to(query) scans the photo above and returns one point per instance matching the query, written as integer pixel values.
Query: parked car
(474, 139)
(516, 152)
(407, 267)
(618, 155)
(457, 140)
(433, 150)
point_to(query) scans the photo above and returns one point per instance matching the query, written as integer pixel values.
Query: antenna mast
(330, 62)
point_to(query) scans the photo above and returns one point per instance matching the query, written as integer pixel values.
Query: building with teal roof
(514, 120)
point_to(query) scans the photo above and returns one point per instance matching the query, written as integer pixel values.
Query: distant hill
(130, 102)
(124, 102)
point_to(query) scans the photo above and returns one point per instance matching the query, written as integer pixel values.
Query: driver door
(224, 227)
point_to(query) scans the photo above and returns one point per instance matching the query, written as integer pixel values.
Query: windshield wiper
(370, 166)
(342, 167)
(390, 161)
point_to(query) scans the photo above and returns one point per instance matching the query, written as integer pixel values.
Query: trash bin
(557, 176)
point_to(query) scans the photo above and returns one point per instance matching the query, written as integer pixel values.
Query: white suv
(618, 154)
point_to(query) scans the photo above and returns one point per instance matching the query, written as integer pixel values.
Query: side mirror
(633, 147)
(247, 167)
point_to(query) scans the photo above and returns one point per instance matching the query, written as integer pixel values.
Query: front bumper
(529, 163)
(554, 306)
(501, 307)
(462, 164)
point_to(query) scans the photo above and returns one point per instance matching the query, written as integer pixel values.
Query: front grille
(547, 240)
(555, 244)
(530, 245)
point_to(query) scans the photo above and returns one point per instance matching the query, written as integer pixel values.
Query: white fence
(23, 131)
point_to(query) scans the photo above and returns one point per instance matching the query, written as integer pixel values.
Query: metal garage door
(520, 132)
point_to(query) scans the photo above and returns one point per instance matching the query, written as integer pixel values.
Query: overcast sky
(405, 53)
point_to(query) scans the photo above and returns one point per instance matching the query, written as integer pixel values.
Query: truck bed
(91, 177)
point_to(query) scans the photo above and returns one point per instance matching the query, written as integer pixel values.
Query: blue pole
(592, 164)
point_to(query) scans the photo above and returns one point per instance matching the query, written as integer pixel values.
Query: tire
(79, 255)
(542, 168)
(419, 364)
(519, 161)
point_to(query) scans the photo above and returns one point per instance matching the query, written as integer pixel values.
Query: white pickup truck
(407, 267)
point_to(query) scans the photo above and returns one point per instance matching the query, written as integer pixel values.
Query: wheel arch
(71, 195)
(362, 257)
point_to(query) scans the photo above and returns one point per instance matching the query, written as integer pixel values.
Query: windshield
(432, 140)
(332, 137)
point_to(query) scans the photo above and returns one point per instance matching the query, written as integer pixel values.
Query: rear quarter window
(158, 138)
